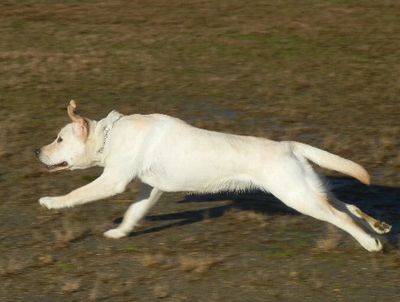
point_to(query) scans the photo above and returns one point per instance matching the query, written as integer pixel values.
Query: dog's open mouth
(57, 167)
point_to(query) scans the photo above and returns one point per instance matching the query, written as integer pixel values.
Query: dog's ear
(81, 125)
(71, 109)
(81, 128)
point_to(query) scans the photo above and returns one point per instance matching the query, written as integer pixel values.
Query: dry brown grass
(41, 66)
(46, 259)
(258, 219)
(196, 263)
(10, 127)
(94, 292)
(11, 265)
(71, 286)
(199, 263)
(2, 139)
(330, 240)
(69, 232)
(153, 260)
(161, 291)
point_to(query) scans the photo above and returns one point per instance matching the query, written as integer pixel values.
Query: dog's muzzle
(52, 168)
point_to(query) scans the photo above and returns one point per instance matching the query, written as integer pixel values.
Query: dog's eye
(59, 140)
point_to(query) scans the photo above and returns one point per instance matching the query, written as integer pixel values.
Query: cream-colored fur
(169, 155)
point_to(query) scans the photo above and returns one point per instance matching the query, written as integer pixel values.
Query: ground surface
(322, 72)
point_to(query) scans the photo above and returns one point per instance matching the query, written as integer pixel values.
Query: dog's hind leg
(148, 197)
(300, 188)
(318, 206)
(369, 222)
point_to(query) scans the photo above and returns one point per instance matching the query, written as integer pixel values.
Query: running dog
(169, 155)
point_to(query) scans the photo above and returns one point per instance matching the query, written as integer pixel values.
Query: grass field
(323, 72)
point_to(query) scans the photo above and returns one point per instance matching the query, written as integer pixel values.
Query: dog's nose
(37, 151)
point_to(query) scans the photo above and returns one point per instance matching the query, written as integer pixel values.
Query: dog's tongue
(58, 167)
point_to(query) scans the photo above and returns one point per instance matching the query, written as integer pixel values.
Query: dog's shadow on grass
(381, 202)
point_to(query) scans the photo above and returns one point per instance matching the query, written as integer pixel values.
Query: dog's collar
(113, 118)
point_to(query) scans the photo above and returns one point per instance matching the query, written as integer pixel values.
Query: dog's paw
(381, 227)
(50, 203)
(115, 233)
(373, 244)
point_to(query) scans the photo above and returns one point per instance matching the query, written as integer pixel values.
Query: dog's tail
(331, 161)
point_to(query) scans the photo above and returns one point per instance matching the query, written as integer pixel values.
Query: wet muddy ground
(322, 72)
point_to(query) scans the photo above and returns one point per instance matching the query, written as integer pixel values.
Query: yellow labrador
(169, 155)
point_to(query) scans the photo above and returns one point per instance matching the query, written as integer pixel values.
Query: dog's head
(69, 149)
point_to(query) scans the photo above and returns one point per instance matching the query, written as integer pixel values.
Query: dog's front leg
(106, 185)
(148, 196)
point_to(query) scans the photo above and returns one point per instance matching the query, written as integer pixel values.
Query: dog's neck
(99, 136)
